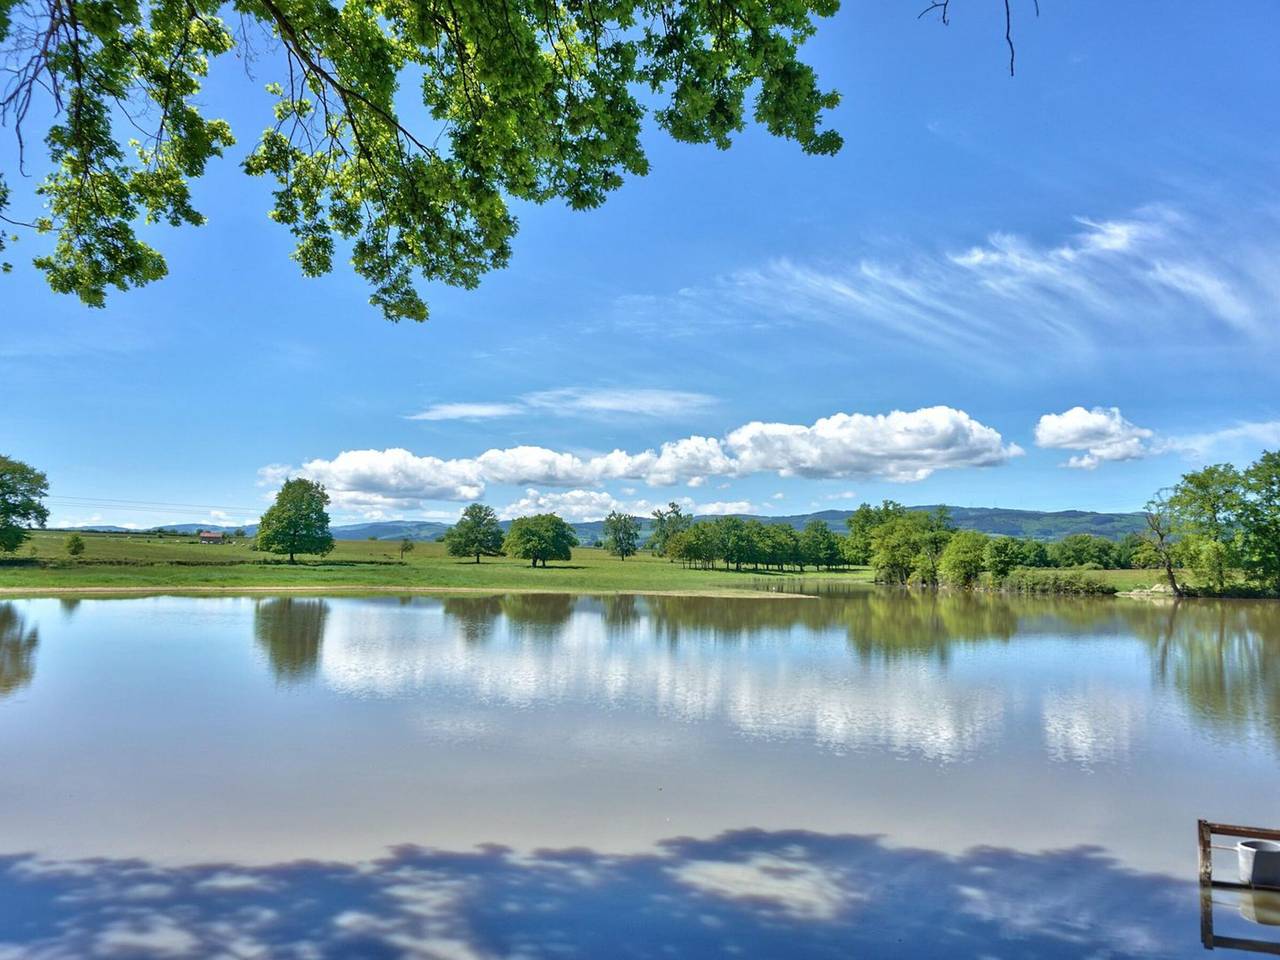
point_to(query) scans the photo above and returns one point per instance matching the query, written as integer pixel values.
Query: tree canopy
(621, 534)
(297, 522)
(516, 100)
(476, 534)
(22, 492)
(666, 525)
(1260, 511)
(540, 538)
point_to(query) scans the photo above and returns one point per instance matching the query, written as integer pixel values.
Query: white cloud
(778, 496)
(580, 506)
(720, 508)
(899, 446)
(273, 474)
(1102, 433)
(577, 401)
(576, 506)
(396, 476)
(1153, 272)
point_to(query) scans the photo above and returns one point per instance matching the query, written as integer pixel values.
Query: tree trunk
(291, 560)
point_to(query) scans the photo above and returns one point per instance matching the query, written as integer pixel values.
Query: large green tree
(516, 100)
(1001, 555)
(963, 558)
(895, 544)
(621, 534)
(540, 538)
(1206, 507)
(819, 546)
(298, 521)
(1260, 515)
(1084, 549)
(476, 534)
(1160, 541)
(667, 524)
(857, 545)
(22, 492)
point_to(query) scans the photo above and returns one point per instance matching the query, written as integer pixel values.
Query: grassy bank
(139, 562)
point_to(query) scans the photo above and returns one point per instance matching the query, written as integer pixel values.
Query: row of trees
(537, 539)
(739, 543)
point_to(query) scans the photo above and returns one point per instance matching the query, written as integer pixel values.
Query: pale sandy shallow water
(882, 774)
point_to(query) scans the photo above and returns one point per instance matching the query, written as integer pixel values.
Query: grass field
(139, 561)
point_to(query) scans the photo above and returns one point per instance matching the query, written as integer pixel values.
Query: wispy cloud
(577, 401)
(1152, 272)
(1241, 438)
(467, 411)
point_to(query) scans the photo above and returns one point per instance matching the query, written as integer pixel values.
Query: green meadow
(147, 561)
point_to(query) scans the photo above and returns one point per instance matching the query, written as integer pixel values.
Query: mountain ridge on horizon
(997, 521)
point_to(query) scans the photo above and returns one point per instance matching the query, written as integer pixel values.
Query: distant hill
(391, 530)
(1042, 525)
(1037, 524)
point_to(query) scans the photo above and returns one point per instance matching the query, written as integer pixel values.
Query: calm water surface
(882, 774)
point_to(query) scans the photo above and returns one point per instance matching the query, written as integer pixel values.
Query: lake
(881, 774)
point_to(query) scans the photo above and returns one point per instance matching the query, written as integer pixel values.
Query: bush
(1073, 582)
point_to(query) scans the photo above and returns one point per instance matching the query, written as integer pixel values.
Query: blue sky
(915, 318)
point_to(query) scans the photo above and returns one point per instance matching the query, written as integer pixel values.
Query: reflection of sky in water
(794, 686)
(250, 733)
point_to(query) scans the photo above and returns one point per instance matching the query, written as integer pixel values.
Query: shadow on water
(291, 632)
(747, 893)
(17, 650)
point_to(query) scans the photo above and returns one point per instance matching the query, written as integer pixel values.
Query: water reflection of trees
(291, 632)
(1222, 657)
(473, 616)
(17, 650)
(878, 622)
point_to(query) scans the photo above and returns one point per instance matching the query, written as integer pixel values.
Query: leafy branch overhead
(403, 129)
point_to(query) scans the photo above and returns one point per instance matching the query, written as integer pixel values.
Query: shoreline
(19, 593)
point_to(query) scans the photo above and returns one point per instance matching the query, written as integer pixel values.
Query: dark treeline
(1216, 532)
(735, 543)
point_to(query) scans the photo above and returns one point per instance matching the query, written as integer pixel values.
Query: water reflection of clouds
(790, 675)
(1090, 726)
(747, 893)
(788, 688)
(784, 882)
